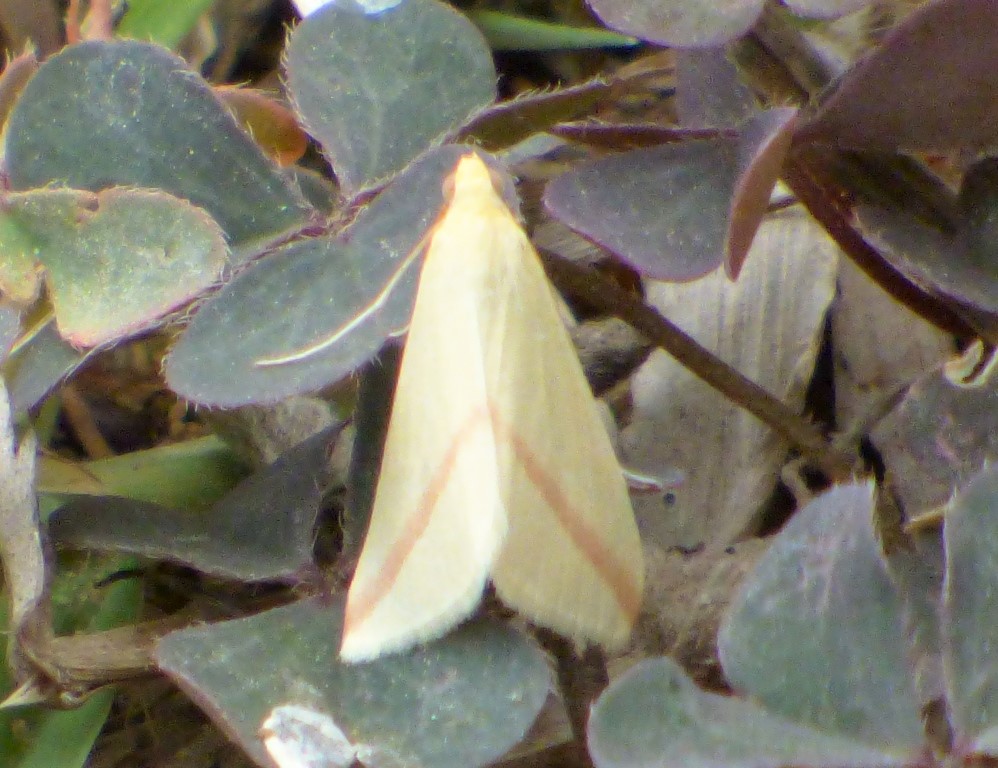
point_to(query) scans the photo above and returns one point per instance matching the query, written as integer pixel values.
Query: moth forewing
(496, 461)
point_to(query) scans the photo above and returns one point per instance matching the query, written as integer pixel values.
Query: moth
(497, 464)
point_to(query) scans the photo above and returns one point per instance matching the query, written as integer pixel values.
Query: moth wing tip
(350, 653)
(358, 647)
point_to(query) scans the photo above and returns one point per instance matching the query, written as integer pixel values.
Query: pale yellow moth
(496, 462)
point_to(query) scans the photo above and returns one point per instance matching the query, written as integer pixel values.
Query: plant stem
(581, 678)
(607, 296)
(813, 190)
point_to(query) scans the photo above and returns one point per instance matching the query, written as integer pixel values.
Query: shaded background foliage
(168, 243)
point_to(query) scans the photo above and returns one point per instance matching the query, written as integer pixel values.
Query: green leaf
(53, 738)
(125, 113)
(654, 716)
(65, 738)
(36, 737)
(329, 304)
(188, 475)
(509, 32)
(375, 387)
(970, 613)
(377, 88)
(817, 633)
(36, 366)
(937, 439)
(460, 702)
(159, 22)
(826, 9)
(680, 23)
(261, 530)
(10, 329)
(116, 261)
(215, 361)
(20, 275)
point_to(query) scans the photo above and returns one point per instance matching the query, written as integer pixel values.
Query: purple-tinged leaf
(16, 74)
(765, 140)
(460, 702)
(962, 263)
(680, 23)
(676, 212)
(663, 210)
(959, 264)
(929, 86)
(709, 91)
(817, 632)
(654, 716)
